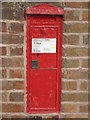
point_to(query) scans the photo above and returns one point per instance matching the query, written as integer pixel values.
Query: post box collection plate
(44, 58)
(44, 45)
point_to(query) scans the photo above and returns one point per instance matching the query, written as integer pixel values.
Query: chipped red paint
(45, 9)
(44, 82)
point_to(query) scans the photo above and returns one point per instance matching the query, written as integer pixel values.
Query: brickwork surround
(74, 102)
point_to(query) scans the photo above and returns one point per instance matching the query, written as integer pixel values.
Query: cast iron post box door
(44, 51)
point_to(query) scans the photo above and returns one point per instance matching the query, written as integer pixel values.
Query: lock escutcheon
(34, 64)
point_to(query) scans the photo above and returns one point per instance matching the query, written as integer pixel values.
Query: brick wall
(75, 61)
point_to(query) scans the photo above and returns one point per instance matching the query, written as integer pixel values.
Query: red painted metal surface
(44, 82)
(45, 9)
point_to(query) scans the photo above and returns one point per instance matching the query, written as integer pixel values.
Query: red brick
(3, 27)
(84, 85)
(19, 15)
(15, 10)
(83, 108)
(71, 15)
(75, 97)
(71, 40)
(13, 62)
(69, 85)
(58, 4)
(12, 39)
(18, 5)
(75, 74)
(16, 73)
(76, 28)
(3, 51)
(85, 63)
(16, 51)
(75, 52)
(7, 5)
(11, 85)
(3, 73)
(85, 40)
(85, 15)
(16, 28)
(69, 108)
(9, 107)
(4, 96)
(69, 63)
(77, 5)
(16, 97)
(7, 14)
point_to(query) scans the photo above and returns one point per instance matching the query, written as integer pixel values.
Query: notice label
(43, 45)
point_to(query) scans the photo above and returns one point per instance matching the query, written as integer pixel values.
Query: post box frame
(58, 12)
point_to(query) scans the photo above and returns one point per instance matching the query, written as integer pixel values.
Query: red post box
(44, 58)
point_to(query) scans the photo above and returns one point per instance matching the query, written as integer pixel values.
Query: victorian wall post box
(44, 58)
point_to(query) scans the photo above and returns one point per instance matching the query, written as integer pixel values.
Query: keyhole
(37, 55)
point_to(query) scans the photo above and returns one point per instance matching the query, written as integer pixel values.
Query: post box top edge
(45, 9)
